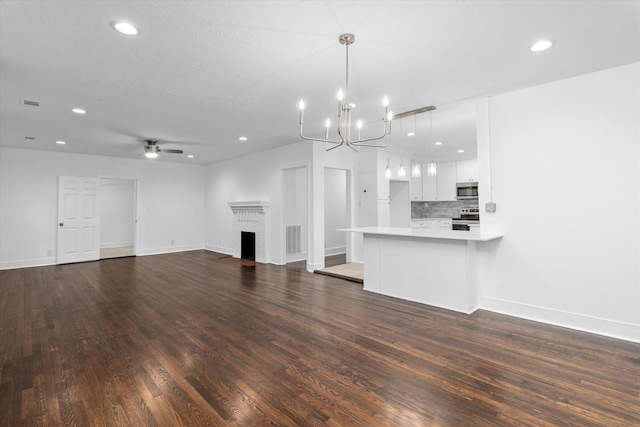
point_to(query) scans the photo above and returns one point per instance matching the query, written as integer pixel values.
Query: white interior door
(78, 219)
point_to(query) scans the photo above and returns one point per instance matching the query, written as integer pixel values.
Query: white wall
(170, 202)
(565, 161)
(117, 212)
(257, 176)
(335, 211)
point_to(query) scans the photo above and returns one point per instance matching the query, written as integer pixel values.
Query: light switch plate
(490, 207)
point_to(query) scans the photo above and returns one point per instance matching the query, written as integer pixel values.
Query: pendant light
(432, 168)
(416, 168)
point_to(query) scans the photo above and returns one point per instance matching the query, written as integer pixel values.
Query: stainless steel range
(468, 216)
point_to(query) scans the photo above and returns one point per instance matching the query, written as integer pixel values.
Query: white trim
(313, 267)
(37, 262)
(169, 250)
(115, 245)
(338, 250)
(581, 322)
(219, 249)
(275, 260)
(302, 256)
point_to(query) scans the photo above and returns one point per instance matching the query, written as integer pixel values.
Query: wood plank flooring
(191, 339)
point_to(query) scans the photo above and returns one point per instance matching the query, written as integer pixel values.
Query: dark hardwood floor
(193, 339)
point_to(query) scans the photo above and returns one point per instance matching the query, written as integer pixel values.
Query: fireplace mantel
(253, 217)
(254, 206)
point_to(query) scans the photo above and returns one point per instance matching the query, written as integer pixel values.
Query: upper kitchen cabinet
(429, 186)
(467, 170)
(416, 188)
(446, 181)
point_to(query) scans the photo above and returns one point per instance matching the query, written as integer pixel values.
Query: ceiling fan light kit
(151, 149)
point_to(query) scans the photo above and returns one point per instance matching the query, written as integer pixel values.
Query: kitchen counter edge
(426, 233)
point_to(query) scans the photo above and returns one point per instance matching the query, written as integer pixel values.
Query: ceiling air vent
(30, 138)
(31, 103)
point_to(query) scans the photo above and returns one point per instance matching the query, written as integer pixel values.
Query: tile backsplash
(440, 209)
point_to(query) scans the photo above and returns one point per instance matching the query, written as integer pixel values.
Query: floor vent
(31, 103)
(294, 236)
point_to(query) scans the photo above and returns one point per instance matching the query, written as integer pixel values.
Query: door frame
(135, 207)
(283, 225)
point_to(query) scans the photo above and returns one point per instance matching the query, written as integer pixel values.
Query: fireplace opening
(248, 245)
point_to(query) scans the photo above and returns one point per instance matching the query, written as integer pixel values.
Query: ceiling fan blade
(169, 150)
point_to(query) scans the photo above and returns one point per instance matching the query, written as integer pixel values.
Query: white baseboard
(314, 267)
(39, 262)
(297, 257)
(275, 260)
(581, 322)
(335, 251)
(219, 249)
(168, 250)
(115, 245)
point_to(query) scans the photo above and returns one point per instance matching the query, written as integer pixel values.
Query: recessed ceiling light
(60, 142)
(439, 143)
(411, 133)
(243, 138)
(79, 111)
(124, 28)
(190, 156)
(542, 45)
(461, 151)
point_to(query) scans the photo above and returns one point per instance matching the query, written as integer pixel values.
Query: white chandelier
(344, 116)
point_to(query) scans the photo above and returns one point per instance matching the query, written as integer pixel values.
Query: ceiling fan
(151, 149)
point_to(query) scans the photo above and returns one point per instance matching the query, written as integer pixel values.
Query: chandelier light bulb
(359, 124)
(385, 101)
(340, 95)
(390, 115)
(387, 172)
(301, 105)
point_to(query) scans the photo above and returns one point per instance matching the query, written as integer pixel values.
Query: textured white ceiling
(202, 73)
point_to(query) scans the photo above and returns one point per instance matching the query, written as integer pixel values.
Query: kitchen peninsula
(435, 267)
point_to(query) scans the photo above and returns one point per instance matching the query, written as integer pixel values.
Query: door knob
(61, 224)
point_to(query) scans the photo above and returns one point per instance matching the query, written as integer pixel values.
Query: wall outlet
(49, 253)
(490, 207)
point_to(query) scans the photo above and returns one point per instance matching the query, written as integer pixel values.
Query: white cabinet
(429, 189)
(467, 170)
(446, 181)
(445, 224)
(416, 189)
(432, 224)
(441, 187)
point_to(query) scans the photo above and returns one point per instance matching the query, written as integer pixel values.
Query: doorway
(117, 217)
(335, 216)
(295, 217)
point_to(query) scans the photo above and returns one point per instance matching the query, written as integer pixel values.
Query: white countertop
(426, 233)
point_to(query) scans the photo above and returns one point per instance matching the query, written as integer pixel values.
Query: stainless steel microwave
(466, 190)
